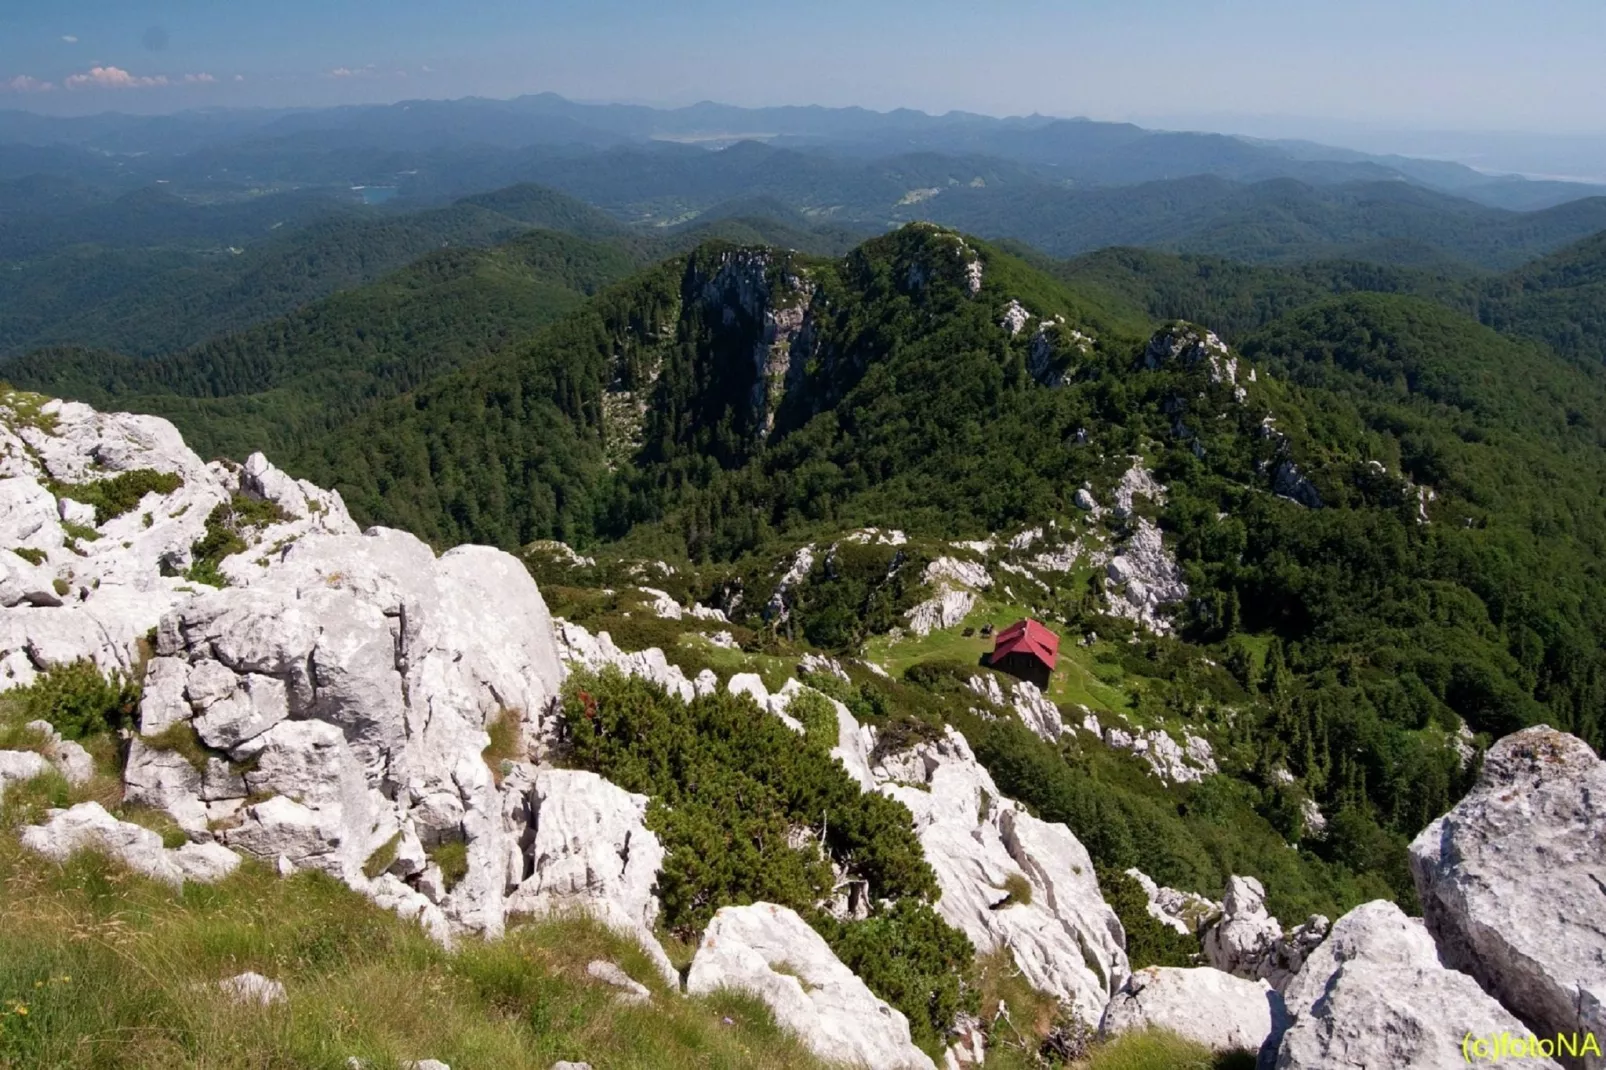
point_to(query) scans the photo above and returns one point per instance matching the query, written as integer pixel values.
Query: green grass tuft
(452, 858)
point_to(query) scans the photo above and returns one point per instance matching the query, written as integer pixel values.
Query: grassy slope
(102, 968)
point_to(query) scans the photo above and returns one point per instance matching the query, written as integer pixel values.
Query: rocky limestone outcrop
(96, 595)
(1028, 702)
(1137, 482)
(253, 990)
(1513, 882)
(954, 584)
(582, 846)
(1189, 346)
(1143, 580)
(352, 683)
(1222, 1012)
(1246, 941)
(1184, 912)
(1186, 763)
(1375, 995)
(779, 608)
(19, 767)
(70, 759)
(770, 952)
(88, 826)
(578, 648)
(947, 609)
(1066, 941)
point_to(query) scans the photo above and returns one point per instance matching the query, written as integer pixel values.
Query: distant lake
(375, 194)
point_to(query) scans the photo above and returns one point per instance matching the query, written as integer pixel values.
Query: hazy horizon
(1468, 65)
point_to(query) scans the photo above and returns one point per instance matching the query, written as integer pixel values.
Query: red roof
(1028, 637)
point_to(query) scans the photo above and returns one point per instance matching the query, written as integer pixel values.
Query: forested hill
(279, 385)
(1395, 526)
(1556, 299)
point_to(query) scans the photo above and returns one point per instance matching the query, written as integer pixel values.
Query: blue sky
(1434, 64)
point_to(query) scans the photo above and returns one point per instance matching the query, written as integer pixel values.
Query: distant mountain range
(224, 146)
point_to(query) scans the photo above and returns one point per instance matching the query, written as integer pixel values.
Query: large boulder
(352, 679)
(1513, 882)
(1222, 1012)
(1375, 995)
(580, 844)
(20, 766)
(1063, 937)
(770, 952)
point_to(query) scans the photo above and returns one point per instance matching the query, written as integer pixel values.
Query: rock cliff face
(1513, 882)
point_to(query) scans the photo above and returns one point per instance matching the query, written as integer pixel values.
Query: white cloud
(113, 78)
(69, 38)
(199, 79)
(239, 77)
(24, 84)
(352, 72)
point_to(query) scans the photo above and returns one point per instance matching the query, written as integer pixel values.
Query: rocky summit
(312, 697)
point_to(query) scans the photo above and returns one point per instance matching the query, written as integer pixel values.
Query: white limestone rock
(1137, 482)
(88, 826)
(1190, 346)
(947, 610)
(1206, 1006)
(165, 780)
(581, 844)
(778, 608)
(19, 766)
(579, 648)
(630, 990)
(1066, 941)
(1167, 759)
(1037, 712)
(663, 604)
(1375, 994)
(24, 583)
(1513, 882)
(205, 863)
(1015, 318)
(1184, 912)
(1144, 580)
(359, 674)
(71, 760)
(771, 953)
(253, 989)
(29, 515)
(1248, 942)
(818, 663)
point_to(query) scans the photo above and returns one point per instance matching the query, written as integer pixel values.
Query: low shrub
(733, 791)
(1149, 941)
(79, 700)
(121, 493)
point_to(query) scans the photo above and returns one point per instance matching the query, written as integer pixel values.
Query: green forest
(717, 402)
